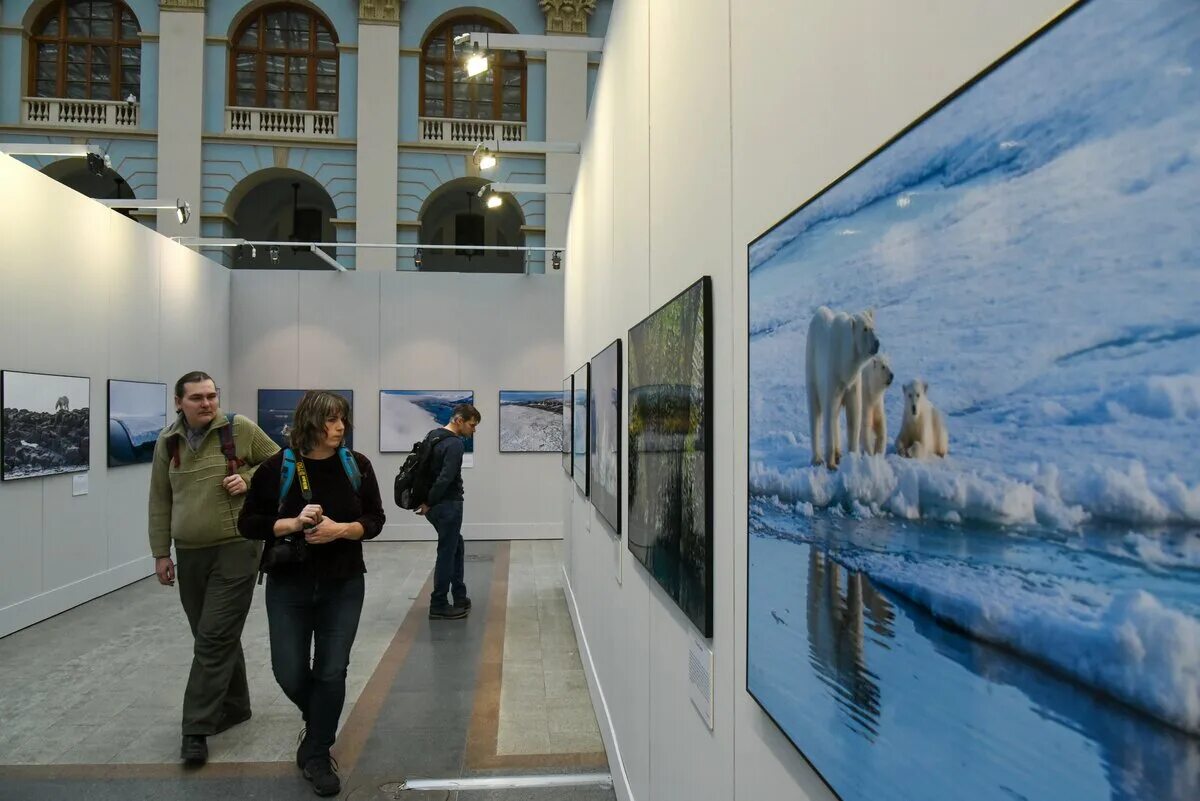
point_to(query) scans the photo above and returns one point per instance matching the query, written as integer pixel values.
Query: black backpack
(415, 478)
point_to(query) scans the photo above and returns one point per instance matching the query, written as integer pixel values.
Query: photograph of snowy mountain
(974, 420)
(579, 428)
(137, 413)
(670, 467)
(277, 407)
(531, 422)
(45, 428)
(407, 415)
(568, 410)
(604, 441)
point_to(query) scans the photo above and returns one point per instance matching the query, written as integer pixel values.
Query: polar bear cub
(923, 431)
(875, 378)
(839, 344)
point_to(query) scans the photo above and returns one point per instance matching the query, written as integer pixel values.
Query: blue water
(888, 702)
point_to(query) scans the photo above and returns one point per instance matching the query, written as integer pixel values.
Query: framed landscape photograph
(975, 575)
(277, 407)
(531, 422)
(46, 424)
(580, 428)
(670, 461)
(407, 415)
(568, 413)
(604, 441)
(137, 413)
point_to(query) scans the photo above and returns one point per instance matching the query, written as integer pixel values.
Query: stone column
(180, 110)
(566, 107)
(378, 124)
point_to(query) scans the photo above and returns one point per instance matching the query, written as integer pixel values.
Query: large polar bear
(839, 344)
(923, 431)
(875, 378)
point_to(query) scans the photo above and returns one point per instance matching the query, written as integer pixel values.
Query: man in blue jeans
(444, 510)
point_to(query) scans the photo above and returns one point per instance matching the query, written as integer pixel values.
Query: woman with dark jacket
(314, 565)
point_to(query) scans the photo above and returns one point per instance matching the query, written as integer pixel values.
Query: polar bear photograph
(992, 559)
(923, 431)
(838, 346)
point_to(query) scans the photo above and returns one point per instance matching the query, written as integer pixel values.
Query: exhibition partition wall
(426, 341)
(87, 292)
(711, 122)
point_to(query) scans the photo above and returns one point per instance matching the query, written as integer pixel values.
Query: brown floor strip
(485, 715)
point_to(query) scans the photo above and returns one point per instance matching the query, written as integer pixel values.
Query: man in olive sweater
(196, 494)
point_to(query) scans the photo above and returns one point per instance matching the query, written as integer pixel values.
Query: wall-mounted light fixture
(490, 198)
(556, 260)
(483, 156)
(417, 258)
(482, 41)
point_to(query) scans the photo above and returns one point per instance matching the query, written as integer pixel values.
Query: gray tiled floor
(103, 684)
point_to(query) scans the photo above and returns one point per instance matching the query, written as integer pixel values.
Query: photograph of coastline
(407, 415)
(531, 422)
(137, 413)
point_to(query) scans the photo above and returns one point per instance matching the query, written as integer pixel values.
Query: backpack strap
(350, 465)
(225, 433)
(232, 462)
(287, 474)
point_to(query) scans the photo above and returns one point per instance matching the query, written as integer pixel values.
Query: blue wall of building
(228, 161)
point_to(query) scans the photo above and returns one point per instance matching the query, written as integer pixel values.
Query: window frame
(63, 41)
(448, 62)
(312, 54)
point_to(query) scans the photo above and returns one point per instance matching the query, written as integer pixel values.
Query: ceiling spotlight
(477, 62)
(274, 254)
(182, 209)
(97, 161)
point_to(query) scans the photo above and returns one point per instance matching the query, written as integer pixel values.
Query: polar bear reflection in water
(845, 370)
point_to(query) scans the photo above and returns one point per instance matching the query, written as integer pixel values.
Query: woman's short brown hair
(308, 423)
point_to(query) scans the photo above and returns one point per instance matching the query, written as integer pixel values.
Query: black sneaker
(194, 750)
(322, 772)
(447, 612)
(463, 603)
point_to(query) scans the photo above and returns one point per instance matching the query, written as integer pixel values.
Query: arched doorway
(279, 205)
(454, 215)
(74, 173)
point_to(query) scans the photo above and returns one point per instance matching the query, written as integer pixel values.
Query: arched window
(446, 91)
(86, 50)
(284, 56)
